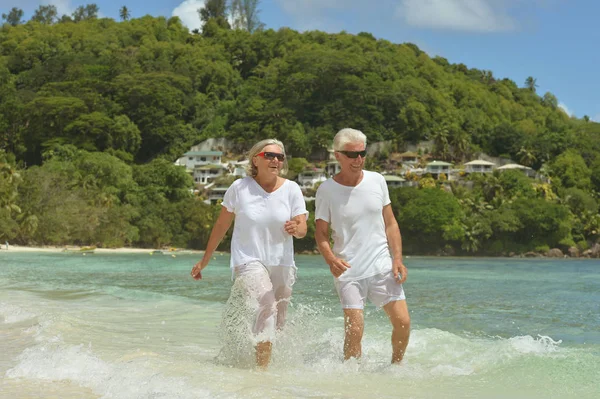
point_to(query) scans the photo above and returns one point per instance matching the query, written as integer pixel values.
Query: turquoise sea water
(137, 326)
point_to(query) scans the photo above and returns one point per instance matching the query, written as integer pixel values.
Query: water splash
(14, 314)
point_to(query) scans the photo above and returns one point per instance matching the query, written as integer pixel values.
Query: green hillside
(93, 113)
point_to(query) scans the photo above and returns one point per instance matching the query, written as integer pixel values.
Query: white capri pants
(271, 288)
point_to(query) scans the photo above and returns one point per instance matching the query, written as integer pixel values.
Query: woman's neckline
(277, 188)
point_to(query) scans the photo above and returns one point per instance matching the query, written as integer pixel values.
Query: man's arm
(394, 238)
(337, 266)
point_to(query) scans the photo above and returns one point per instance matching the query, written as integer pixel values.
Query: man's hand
(338, 266)
(400, 271)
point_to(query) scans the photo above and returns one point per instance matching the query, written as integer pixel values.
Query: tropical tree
(461, 144)
(9, 181)
(14, 16)
(245, 15)
(215, 10)
(124, 13)
(45, 14)
(441, 144)
(550, 100)
(89, 11)
(571, 169)
(531, 83)
(526, 157)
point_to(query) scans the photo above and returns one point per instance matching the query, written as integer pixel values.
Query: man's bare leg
(354, 327)
(263, 354)
(397, 311)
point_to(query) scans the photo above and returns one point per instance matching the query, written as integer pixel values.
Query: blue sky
(555, 41)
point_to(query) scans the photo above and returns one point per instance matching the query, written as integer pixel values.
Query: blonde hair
(347, 136)
(251, 170)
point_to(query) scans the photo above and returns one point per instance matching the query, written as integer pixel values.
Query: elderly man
(366, 259)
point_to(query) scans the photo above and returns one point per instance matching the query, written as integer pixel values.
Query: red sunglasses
(271, 156)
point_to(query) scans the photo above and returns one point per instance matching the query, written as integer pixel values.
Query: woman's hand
(197, 270)
(296, 227)
(291, 227)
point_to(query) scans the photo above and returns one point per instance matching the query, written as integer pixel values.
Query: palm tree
(440, 140)
(526, 157)
(531, 83)
(9, 180)
(492, 188)
(461, 144)
(124, 14)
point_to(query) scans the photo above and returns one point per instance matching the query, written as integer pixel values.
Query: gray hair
(347, 136)
(251, 170)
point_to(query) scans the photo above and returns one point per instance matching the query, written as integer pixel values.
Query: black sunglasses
(271, 156)
(354, 154)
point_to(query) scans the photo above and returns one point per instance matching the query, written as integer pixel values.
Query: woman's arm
(297, 226)
(216, 235)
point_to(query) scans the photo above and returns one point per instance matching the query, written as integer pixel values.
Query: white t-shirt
(355, 215)
(258, 233)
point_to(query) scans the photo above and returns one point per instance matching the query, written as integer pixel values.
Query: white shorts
(380, 289)
(270, 289)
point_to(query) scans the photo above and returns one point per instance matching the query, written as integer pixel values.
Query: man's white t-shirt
(355, 215)
(258, 233)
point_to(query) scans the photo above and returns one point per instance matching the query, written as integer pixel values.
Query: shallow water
(137, 326)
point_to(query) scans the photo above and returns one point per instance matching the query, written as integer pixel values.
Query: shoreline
(181, 251)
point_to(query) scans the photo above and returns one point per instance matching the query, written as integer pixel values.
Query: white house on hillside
(409, 158)
(512, 166)
(204, 174)
(333, 168)
(394, 181)
(216, 194)
(436, 168)
(479, 166)
(238, 168)
(310, 177)
(191, 159)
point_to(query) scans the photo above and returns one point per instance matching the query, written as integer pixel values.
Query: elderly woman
(268, 211)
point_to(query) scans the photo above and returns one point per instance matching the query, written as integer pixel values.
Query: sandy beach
(18, 248)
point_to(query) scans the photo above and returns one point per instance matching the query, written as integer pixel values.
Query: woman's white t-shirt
(258, 233)
(355, 215)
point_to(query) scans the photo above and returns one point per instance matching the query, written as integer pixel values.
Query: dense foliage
(93, 112)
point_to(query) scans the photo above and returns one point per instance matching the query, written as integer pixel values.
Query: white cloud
(565, 108)
(596, 118)
(462, 15)
(187, 11)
